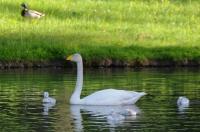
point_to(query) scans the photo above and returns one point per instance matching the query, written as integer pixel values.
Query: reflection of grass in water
(162, 85)
(101, 29)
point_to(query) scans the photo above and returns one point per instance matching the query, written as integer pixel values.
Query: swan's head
(180, 98)
(46, 94)
(75, 58)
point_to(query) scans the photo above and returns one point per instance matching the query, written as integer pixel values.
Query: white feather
(103, 97)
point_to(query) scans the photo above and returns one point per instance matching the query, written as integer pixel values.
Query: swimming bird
(113, 116)
(183, 101)
(128, 112)
(30, 13)
(103, 97)
(48, 99)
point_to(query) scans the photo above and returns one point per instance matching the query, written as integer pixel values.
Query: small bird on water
(30, 13)
(128, 112)
(183, 101)
(48, 99)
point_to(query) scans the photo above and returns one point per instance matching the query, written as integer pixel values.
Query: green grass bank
(105, 32)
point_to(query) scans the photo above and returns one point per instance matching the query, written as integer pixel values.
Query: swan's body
(112, 97)
(103, 97)
(183, 102)
(48, 99)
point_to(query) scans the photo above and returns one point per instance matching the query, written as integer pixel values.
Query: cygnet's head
(183, 98)
(46, 94)
(75, 58)
(131, 112)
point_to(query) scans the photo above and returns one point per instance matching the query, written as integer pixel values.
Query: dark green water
(21, 108)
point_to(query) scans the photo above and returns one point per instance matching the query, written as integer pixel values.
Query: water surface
(21, 109)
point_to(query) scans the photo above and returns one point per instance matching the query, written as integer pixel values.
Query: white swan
(103, 97)
(48, 99)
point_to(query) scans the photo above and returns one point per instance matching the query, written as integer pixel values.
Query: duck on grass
(27, 13)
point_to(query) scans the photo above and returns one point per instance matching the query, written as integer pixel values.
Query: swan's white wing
(112, 97)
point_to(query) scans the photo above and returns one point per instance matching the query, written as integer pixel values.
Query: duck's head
(24, 6)
(75, 57)
(46, 94)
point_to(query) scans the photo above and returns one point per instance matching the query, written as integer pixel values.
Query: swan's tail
(135, 98)
(143, 93)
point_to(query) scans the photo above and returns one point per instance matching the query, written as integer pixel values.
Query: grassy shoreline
(110, 33)
(105, 63)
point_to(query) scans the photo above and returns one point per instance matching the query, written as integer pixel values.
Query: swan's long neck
(75, 98)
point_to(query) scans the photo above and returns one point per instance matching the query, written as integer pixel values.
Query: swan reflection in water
(182, 109)
(111, 116)
(47, 107)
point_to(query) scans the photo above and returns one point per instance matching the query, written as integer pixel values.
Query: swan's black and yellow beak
(69, 58)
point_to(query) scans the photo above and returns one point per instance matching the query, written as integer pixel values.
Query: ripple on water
(21, 94)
